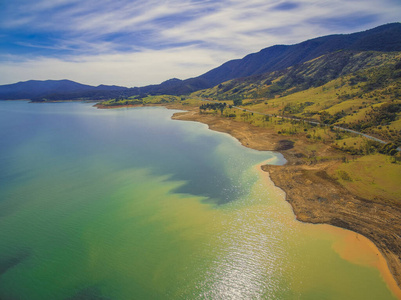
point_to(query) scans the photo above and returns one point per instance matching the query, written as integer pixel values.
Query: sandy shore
(314, 196)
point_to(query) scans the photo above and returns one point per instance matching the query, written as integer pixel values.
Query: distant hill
(385, 38)
(36, 88)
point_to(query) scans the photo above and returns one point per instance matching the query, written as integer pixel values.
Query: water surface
(129, 204)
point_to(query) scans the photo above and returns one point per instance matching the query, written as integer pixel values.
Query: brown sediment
(316, 197)
(360, 250)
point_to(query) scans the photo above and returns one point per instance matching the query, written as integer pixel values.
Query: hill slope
(383, 38)
(358, 90)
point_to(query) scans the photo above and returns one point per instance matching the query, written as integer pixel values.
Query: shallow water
(129, 204)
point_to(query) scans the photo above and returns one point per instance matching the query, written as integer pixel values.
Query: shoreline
(315, 197)
(358, 249)
(354, 247)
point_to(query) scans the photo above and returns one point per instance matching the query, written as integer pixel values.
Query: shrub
(344, 175)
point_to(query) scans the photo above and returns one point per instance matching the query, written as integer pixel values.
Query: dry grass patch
(372, 177)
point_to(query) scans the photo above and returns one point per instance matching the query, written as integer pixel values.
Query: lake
(129, 204)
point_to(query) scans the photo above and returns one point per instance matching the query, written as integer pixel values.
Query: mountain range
(385, 38)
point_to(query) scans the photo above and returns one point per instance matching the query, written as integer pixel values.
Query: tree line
(213, 106)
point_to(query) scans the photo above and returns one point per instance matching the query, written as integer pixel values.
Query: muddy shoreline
(314, 196)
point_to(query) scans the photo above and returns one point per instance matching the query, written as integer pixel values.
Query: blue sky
(135, 43)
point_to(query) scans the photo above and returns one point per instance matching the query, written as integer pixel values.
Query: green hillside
(356, 90)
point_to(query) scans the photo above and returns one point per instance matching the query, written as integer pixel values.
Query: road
(306, 121)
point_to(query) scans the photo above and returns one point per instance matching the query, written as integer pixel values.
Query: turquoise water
(129, 204)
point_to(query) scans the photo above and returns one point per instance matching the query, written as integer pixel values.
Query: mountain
(385, 38)
(36, 88)
(315, 73)
(103, 87)
(359, 90)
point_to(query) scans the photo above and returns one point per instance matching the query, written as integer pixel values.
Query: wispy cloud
(126, 69)
(154, 35)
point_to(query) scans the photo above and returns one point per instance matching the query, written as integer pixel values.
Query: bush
(344, 175)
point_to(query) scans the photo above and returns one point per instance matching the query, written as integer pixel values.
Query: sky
(136, 43)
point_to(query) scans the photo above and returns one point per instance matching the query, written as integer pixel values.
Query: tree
(237, 102)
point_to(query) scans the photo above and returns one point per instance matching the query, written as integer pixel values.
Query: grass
(354, 141)
(372, 177)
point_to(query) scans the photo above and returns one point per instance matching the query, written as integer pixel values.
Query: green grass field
(373, 177)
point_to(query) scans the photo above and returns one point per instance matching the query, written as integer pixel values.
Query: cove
(129, 204)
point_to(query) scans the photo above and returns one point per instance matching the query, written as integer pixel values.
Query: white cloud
(244, 25)
(135, 69)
